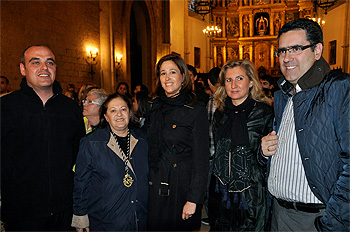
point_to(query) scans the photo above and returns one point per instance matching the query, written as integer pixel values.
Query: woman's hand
(188, 210)
(82, 229)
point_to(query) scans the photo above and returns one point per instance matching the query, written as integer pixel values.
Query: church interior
(106, 42)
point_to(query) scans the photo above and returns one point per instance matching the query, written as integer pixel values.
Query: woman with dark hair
(179, 150)
(237, 191)
(123, 89)
(141, 107)
(111, 177)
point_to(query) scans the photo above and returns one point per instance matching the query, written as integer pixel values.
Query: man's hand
(269, 144)
(188, 210)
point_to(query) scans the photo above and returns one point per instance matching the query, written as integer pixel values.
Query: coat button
(174, 165)
(174, 126)
(150, 183)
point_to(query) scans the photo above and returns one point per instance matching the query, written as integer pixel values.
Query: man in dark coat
(40, 134)
(309, 156)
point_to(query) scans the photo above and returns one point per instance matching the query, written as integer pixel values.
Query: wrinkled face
(91, 108)
(3, 86)
(118, 115)
(39, 68)
(170, 78)
(122, 90)
(294, 66)
(237, 85)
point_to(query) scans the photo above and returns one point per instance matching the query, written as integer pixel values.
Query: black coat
(39, 145)
(184, 165)
(259, 124)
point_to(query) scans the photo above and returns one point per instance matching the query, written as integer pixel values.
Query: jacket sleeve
(337, 215)
(200, 154)
(82, 177)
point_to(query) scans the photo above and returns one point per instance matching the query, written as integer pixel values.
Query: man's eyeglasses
(90, 102)
(293, 50)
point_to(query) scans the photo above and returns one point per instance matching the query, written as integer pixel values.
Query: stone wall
(67, 27)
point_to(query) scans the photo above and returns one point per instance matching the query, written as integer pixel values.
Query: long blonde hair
(255, 91)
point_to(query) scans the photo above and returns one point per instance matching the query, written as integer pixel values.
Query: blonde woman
(242, 118)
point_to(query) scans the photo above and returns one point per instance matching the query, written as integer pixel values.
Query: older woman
(242, 118)
(91, 108)
(111, 179)
(179, 150)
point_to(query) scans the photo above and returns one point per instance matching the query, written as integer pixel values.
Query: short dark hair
(267, 77)
(24, 51)
(7, 80)
(192, 69)
(313, 31)
(213, 75)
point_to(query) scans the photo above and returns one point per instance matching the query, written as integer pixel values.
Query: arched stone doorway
(140, 46)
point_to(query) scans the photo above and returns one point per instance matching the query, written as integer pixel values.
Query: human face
(3, 85)
(39, 68)
(237, 85)
(137, 89)
(118, 116)
(292, 66)
(170, 78)
(135, 106)
(122, 90)
(265, 84)
(90, 108)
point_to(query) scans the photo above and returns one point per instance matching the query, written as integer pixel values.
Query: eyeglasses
(293, 50)
(90, 102)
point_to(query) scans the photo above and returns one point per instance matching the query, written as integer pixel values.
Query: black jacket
(39, 145)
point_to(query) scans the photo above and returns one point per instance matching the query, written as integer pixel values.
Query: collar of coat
(112, 144)
(56, 87)
(311, 78)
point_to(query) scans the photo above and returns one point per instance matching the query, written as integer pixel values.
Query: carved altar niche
(232, 52)
(261, 23)
(232, 26)
(219, 55)
(262, 54)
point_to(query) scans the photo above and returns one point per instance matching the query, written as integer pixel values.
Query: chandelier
(325, 4)
(203, 7)
(211, 31)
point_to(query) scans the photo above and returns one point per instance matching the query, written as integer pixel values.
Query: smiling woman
(179, 150)
(112, 168)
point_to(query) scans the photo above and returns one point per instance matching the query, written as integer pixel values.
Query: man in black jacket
(40, 134)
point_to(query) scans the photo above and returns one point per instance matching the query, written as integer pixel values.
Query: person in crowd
(267, 84)
(213, 78)
(83, 91)
(111, 178)
(179, 150)
(4, 86)
(197, 86)
(71, 92)
(308, 152)
(40, 134)
(141, 107)
(237, 193)
(123, 89)
(92, 105)
(139, 88)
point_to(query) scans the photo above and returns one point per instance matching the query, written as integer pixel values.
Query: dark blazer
(99, 191)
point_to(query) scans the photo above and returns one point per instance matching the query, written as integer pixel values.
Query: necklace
(127, 180)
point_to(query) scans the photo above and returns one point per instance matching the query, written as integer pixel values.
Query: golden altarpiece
(250, 29)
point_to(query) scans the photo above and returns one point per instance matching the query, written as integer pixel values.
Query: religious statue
(245, 26)
(261, 24)
(277, 24)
